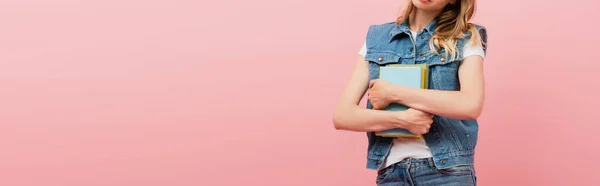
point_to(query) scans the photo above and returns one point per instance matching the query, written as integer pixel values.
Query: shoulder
(478, 26)
(378, 33)
(381, 28)
(386, 25)
(481, 36)
(482, 31)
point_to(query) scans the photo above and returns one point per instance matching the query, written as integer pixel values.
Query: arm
(464, 104)
(350, 116)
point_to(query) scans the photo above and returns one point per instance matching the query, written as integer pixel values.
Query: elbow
(337, 122)
(471, 116)
(472, 113)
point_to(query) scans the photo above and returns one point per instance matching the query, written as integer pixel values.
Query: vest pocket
(444, 72)
(445, 78)
(378, 59)
(382, 58)
(442, 58)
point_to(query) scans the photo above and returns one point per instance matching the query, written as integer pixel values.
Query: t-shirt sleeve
(363, 50)
(470, 50)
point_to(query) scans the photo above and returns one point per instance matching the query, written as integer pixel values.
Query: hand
(379, 93)
(417, 122)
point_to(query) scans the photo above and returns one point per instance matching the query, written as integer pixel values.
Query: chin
(429, 5)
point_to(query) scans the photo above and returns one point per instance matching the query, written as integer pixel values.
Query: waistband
(439, 161)
(415, 162)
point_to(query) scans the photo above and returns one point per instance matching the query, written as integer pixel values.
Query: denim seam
(454, 154)
(453, 134)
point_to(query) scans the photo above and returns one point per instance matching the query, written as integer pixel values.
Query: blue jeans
(422, 172)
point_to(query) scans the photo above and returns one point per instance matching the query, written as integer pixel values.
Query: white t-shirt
(416, 147)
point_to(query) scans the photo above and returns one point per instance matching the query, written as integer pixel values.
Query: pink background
(188, 93)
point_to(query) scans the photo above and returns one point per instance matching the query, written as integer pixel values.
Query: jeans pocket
(461, 170)
(384, 174)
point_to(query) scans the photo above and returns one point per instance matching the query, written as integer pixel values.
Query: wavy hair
(452, 23)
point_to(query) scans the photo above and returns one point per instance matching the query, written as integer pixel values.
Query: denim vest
(451, 141)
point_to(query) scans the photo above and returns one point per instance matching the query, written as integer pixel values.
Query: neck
(419, 19)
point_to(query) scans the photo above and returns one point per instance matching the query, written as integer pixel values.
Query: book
(410, 75)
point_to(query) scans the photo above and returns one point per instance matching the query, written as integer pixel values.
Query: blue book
(410, 75)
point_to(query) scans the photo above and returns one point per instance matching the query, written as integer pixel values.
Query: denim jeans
(423, 172)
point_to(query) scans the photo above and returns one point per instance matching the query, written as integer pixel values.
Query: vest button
(421, 36)
(380, 59)
(443, 59)
(411, 49)
(420, 53)
(443, 162)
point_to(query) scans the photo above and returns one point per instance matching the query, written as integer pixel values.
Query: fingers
(420, 131)
(424, 130)
(376, 105)
(371, 83)
(421, 127)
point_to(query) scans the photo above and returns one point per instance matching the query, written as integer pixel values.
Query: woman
(436, 33)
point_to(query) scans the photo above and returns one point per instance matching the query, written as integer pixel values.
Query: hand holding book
(393, 78)
(379, 93)
(415, 121)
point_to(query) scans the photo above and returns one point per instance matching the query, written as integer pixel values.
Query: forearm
(355, 118)
(450, 104)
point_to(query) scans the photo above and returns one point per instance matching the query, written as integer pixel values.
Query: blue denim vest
(451, 141)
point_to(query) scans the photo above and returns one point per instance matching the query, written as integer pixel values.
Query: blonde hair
(452, 23)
